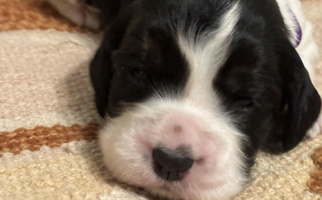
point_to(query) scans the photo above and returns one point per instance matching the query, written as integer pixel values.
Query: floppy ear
(301, 102)
(110, 8)
(100, 67)
(100, 73)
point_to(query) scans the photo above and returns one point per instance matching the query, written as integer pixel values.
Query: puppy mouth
(169, 175)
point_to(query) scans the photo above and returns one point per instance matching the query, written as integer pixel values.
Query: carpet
(48, 122)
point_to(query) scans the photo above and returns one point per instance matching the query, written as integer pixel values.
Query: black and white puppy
(192, 89)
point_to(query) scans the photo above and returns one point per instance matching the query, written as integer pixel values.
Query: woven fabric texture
(48, 121)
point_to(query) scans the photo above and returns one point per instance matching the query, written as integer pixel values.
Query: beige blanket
(48, 122)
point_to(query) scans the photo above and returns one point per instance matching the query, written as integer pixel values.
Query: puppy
(191, 90)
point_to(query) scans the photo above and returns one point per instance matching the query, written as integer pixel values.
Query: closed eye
(138, 74)
(244, 103)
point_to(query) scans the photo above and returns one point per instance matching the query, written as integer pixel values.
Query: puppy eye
(138, 74)
(245, 102)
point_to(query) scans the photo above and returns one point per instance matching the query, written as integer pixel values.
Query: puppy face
(191, 90)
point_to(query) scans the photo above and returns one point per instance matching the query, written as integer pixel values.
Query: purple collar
(298, 29)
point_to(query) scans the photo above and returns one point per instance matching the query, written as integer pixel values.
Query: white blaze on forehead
(206, 55)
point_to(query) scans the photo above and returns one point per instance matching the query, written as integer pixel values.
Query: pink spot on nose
(177, 128)
(180, 129)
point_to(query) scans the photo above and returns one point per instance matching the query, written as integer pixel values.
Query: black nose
(169, 165)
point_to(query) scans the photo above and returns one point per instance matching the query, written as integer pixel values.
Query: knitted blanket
(48, 122)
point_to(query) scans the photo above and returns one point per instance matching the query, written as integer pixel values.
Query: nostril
(172, 160)
(171, 165)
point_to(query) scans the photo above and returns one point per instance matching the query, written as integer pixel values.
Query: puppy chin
(80, 14)
(127, 143)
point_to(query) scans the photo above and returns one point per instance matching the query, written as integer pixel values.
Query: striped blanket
(48, 122)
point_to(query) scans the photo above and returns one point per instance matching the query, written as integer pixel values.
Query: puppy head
(191, 90)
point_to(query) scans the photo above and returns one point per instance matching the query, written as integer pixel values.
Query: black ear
(301, 102)
(100, 73)
(100, 67)
(110, 9)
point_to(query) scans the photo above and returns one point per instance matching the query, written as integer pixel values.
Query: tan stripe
(315, 182)
(317, 158)
(33, 139)
(32, 14)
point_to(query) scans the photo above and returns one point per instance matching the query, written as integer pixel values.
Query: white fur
(127, 143)
(206, 56)
(78, 13)
(217, 174)
(316, 128)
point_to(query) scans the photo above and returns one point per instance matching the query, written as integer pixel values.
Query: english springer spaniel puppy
(192, 89)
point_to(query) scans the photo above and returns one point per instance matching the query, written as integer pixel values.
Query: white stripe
(206, 56)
